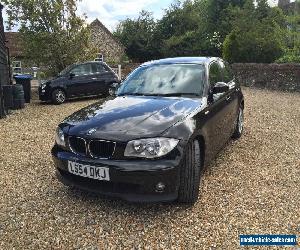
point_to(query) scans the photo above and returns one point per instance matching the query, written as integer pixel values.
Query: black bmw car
(152, 140)
(78, 80)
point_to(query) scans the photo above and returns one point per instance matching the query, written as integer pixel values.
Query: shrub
(260, 44)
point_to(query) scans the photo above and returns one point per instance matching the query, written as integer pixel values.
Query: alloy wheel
(60, 96)
(241, 121)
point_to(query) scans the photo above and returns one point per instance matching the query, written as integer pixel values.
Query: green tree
(262, 9)
(137, 36)
(292, 42)
(52, 33)
(215, 10)
(239, 29)
(219, 14)
(178, 30)
(178, 19)
(257, 35)
(256, 45)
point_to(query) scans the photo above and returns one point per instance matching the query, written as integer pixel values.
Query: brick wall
(285, 77)
(129, 67)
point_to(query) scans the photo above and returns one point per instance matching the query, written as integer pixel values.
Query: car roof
(81, 63)
(178, 60)
(93, 62)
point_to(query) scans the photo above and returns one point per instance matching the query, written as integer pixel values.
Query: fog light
(160, 187)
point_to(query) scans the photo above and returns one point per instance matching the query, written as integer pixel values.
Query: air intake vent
(101, 149)
(77, 145)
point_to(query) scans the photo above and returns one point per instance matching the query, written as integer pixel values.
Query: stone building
(102, 38)
(14, 43)
(108, 45)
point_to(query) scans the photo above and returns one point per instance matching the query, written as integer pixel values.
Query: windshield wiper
(178, 94)
(137, 94)
(164, 95)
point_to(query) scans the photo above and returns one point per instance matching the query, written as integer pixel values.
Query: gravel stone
(253, 187)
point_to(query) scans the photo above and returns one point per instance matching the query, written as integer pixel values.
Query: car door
(231, 96)
(80, 80)
(216, 112)
(99, 84)
(105, 77)
(110, 77)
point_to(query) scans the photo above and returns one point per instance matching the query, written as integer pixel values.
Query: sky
(113, 11)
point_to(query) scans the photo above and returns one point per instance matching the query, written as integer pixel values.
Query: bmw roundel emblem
(91, 131)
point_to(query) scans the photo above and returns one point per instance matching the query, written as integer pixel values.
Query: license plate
(96, 173)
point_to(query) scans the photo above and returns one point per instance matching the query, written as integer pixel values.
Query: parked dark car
(152, 141)
(79, 80)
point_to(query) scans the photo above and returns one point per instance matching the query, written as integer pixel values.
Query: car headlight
(60, 137)
(43, 84)
(150, 148)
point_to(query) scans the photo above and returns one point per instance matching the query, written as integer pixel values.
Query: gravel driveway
(252, 188)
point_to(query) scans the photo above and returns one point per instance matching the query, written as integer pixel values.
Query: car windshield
(66, 70)
(165, 80)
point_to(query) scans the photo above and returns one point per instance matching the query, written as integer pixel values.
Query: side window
(227, 72)
(98, 68)
(84, 69)
(106, 68)
(215, 74)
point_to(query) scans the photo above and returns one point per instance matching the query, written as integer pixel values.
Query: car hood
(54, 79)
(129, 117)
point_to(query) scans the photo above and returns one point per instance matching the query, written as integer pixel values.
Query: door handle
(94, 78)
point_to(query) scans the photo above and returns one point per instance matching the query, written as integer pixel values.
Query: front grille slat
(77, 145)
(99, 149)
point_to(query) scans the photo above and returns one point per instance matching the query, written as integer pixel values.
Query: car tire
(58, 96)
(239, 127)
(190, 174)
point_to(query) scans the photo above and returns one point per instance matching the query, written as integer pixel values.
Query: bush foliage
(238, 30)
(52, 32)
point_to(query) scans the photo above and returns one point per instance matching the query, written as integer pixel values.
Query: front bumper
(44, 95)
(131, 180)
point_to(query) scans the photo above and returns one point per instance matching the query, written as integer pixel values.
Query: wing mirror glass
(220, 87)
(113, 88)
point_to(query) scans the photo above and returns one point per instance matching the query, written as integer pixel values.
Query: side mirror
(113, 88)
(72, 75)
(220, 87)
